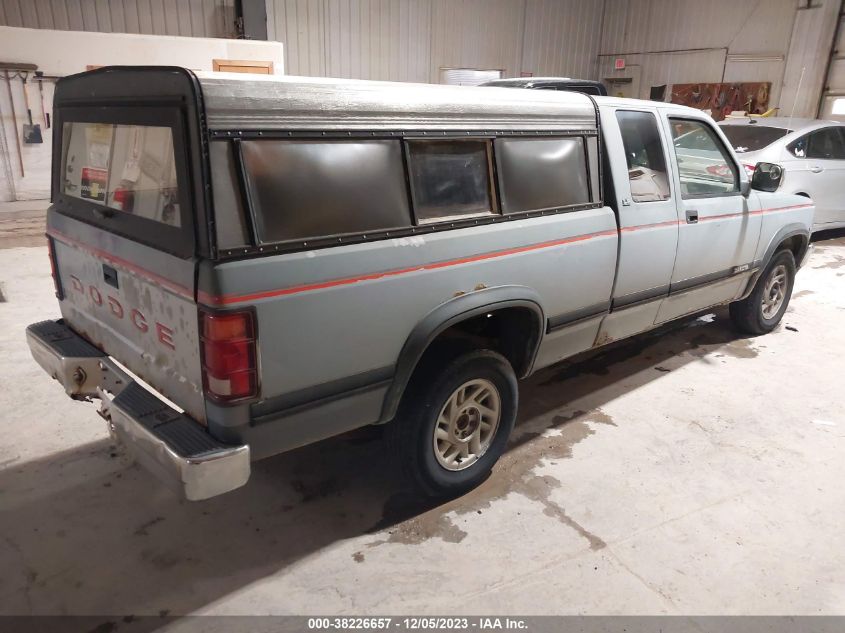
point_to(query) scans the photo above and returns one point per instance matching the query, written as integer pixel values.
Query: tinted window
(644, 153)
(450, 178)
(798, 147)
(826, 144)
(705, 167)
(750, 138)
(541, 173)
(129, 168)
(303, 189)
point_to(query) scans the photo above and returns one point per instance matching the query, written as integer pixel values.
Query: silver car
(811, 152)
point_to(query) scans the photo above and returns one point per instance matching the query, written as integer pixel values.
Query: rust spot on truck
(603, 339)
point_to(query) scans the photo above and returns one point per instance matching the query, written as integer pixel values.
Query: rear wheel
(761, 311)
(454, 424)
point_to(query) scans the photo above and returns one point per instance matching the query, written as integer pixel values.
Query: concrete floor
(694, 472)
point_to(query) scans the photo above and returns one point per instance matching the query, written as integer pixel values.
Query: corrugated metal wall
(662, 41)
(812, 40)
(685, 41)
(410, 40)
(833, 98)
(197, 18)
(562, 37)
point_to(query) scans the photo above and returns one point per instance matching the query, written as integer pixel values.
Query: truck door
(718, 226)
(647, 216)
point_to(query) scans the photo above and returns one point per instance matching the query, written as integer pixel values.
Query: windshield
(750, 138)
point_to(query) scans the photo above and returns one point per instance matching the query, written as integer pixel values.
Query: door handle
(692, 216)
(816, 169)
(110, 275)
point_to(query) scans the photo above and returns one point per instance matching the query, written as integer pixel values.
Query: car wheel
(453, 424)
(762, 310)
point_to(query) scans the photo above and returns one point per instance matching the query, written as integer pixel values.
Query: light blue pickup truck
(249, 264)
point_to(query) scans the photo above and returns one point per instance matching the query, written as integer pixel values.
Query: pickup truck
(246, 265)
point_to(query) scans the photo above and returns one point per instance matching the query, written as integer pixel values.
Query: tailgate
(144, 316)
(127, 196)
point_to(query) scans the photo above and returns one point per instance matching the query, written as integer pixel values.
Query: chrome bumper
(170, 444)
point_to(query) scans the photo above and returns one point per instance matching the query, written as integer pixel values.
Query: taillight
(749, 169)
(54, 268)
(229, 368)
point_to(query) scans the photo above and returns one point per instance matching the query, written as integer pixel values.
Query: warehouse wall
(411, 40)
(60, 53)
(662, 41)
(785, 42)
(687, 41)
(809, 51)
(833, 102)
(197, 18)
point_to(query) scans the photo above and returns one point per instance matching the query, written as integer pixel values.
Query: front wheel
(454, 422)
(762, 310)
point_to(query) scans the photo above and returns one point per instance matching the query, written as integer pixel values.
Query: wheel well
(513, 332)
(797, 244)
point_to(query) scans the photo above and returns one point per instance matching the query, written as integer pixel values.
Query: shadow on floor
(829, 237)
(86, 532)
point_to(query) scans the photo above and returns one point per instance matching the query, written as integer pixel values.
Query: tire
(755, 314)
(468, 428)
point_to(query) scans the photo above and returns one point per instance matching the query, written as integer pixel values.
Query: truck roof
(791, 123)
(239, 101)
(645, 103)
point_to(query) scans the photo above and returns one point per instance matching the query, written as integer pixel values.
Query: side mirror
(767, 177)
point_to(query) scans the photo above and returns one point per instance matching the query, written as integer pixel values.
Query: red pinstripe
(227, 299)
(109, 257)
(224, 300)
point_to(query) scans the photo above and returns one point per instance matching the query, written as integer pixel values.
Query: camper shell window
(450, 178)
(124, 169)
(128, 168)
(278, 192)
(545, 173)
(308, 188)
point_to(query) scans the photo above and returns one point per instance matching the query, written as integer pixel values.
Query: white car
(811, 152)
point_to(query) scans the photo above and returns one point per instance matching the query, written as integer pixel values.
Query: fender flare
(447, 314)
(785, 232)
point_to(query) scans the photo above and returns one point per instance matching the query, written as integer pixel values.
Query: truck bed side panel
(368, 297)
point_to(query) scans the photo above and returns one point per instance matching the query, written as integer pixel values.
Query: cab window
(705, 167)
(644, 154)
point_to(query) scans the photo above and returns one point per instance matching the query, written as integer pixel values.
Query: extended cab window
(541, 173)
(450, 178)
(644, 153)
(307, 189)
(128, 168)
(705, 167)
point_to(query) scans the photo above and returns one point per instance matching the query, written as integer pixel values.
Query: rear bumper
(170, 444)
